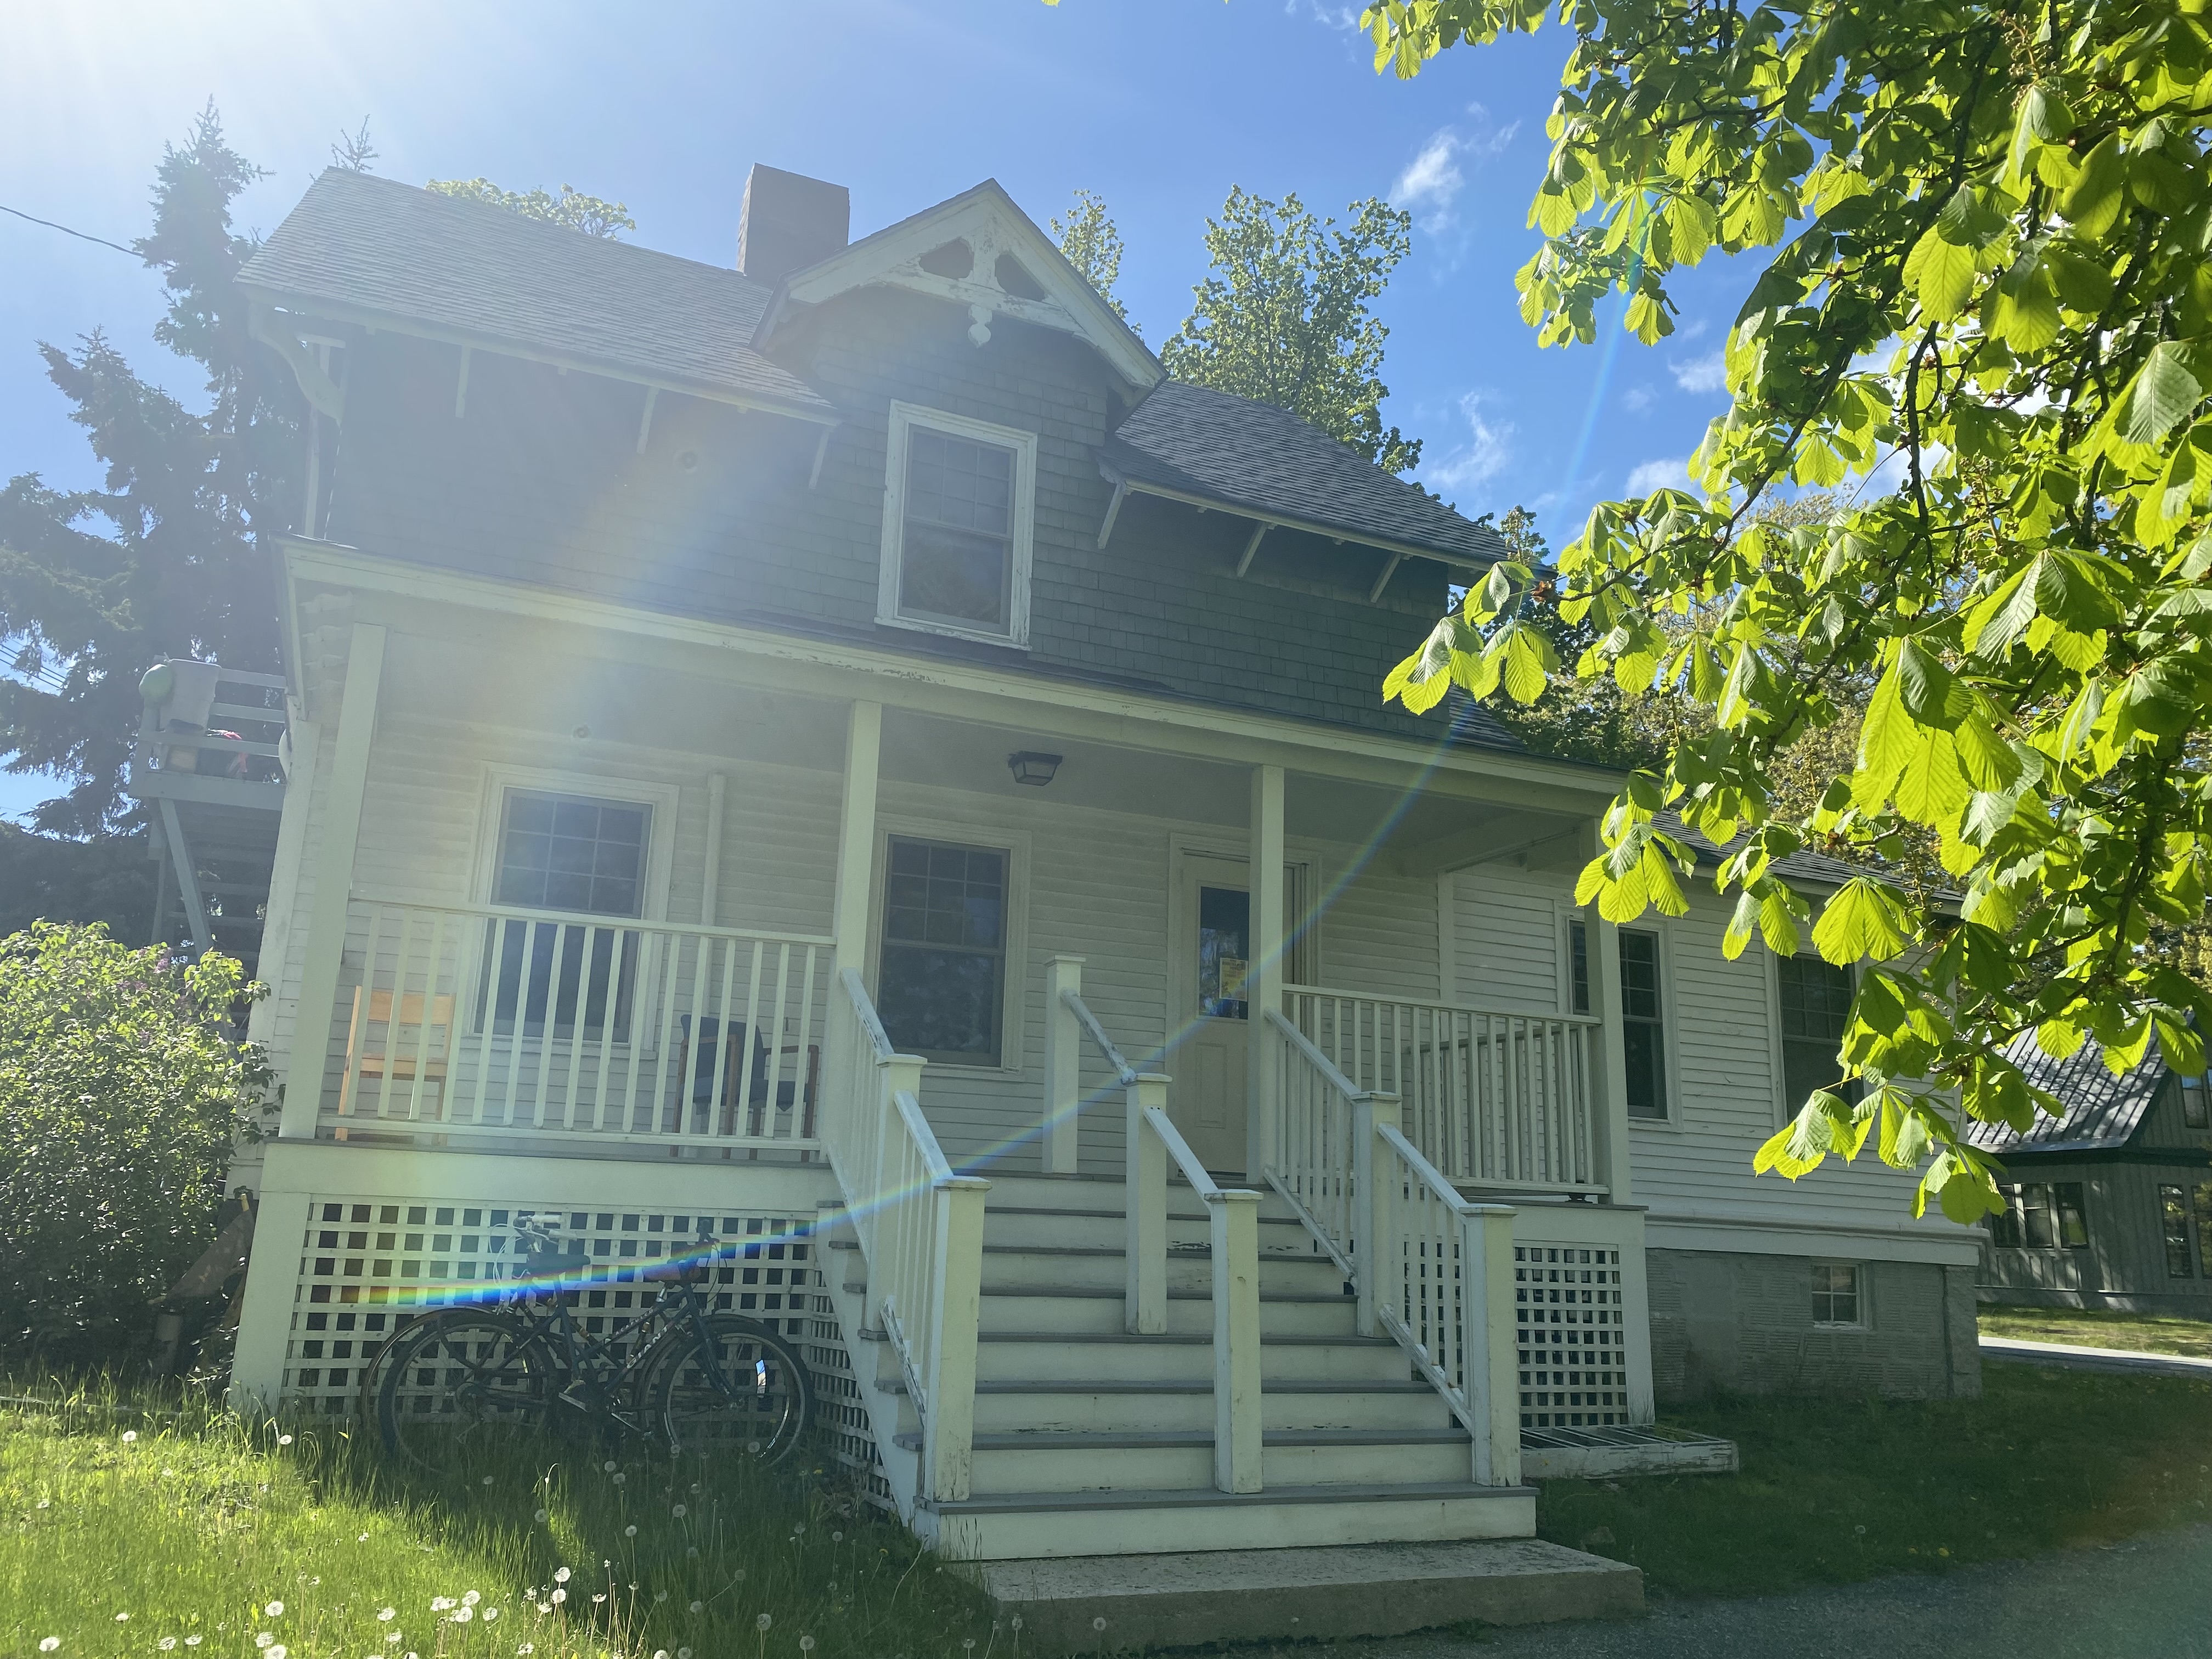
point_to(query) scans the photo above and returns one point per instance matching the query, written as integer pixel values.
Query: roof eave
(1214, 503)
(820, 413)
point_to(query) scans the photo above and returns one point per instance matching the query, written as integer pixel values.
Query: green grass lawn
(1832, 1491)
(179, 1531)
(2099, 1327)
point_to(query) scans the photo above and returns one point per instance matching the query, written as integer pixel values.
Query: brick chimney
(789, 221)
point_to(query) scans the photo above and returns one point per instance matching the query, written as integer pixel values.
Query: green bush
(122, 1094)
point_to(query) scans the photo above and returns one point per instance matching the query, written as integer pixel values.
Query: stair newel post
(1233, 1218)
(1063, 1077)
(1370, 1200)
(957, 1265)
(1488, 1340)
(1146, 1304)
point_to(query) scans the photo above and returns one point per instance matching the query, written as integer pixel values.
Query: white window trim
(1670, 1022)
(903, 418)
(1865, 1320)
(665, 799)
(1778, 1043)
(1013, 1045)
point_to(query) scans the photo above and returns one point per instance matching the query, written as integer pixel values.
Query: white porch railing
(1431, 1269)
(920, 1228)
(1492, 1099)
(1233, 1242)
(483, 1021)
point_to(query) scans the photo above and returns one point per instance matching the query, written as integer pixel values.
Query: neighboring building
(2111, 1206)
(869, 649)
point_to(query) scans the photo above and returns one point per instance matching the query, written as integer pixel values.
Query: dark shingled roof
(379, 246)
(1798, 866)
(2102, 1111)
(1224, 448)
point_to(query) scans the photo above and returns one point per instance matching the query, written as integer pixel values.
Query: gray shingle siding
(540, 481)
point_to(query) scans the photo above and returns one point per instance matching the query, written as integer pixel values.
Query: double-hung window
(959, 503)
(1643, 1012)
(1815, 1002)
(581, 855)
(1642, 1023)
(2180, 1213)
(941, 983)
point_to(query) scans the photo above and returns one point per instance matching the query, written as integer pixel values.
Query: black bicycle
(465, 1379)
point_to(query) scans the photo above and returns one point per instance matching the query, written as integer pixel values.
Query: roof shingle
(1229, 449)
(389, 249)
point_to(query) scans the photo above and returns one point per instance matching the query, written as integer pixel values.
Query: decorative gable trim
(980, 251)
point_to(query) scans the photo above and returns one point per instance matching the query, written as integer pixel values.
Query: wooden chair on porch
(791, 1087)
(393, 1043)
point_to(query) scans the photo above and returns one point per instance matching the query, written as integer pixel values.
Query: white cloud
(1637, 400)
(1488, 447)
(1432, 180)
(1707, 373)
(1670, 473)
(1345, 18)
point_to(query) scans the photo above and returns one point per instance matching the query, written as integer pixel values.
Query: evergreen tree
(162, 559)
(1285, 319)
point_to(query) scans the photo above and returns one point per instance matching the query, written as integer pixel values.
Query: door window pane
(942, 986)
(956, 545)
(1815, 1001)
(1643, 1029)
(1224, 930)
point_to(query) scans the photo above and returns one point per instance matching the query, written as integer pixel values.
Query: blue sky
(1159, 105)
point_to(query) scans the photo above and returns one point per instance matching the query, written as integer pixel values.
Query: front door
(1212, 924)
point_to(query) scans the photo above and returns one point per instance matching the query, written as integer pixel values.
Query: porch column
(1609, 1059)
(309, 1053)
(1263, 983)
(856, 836)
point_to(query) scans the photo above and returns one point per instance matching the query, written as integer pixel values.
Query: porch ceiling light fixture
(1031, 768)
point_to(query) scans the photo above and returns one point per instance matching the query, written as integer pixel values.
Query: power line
(66, 231)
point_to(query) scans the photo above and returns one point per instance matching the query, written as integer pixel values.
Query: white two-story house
(841, 749)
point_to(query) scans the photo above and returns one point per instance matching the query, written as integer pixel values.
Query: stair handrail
(1151, 1140)
(920, 1227)
(1370, 1197)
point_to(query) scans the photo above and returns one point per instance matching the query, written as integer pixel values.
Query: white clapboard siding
(1507, 938)
(1379, 935)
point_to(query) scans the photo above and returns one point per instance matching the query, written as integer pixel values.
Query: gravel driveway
(2149, 1597)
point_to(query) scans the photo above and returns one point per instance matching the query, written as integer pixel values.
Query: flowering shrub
(121, 1096)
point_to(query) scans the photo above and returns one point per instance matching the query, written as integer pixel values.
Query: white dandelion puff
(560, 1595)
(263, 1639)
(165, 1644)
(462, 1615)
(284, 1439)
(608, 1465)
(807, 1644)
(698, 1606)
(660, 1595)
(47, 1645)
(122, 1618)
(540, 1517)
(129, 1435)
(471, 1598)
(622, 1480)
(490, 1614)
(527, 1647)
(275, 1610)
(278, 1651)
(1098, 1624)
(682, 1653)
(386, 1615)
(442, 1603)
(678, 1511)
(561, 1574)
(630, 1531)
(762, 1622)
(192, 1641)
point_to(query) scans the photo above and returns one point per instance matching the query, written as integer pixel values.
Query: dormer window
(957, 526)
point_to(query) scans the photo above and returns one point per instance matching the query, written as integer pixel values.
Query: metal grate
(1568, 1316)
(368, 1263)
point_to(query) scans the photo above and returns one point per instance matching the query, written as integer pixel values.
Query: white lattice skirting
(1573, 1341)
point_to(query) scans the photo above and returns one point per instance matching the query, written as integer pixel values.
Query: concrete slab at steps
(1324, 1594)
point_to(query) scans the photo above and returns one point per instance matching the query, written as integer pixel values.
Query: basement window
(958, 505)
(1838, 1301)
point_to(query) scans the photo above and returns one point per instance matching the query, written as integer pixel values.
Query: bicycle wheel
(746, 1391)
(461, 1385)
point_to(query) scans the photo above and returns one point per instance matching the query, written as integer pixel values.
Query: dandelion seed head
(630, 1531)
(660, 1595)
(263, 1638)
(364, 1539)
(741, 1576)
(1017, 1621)
(129, 1435)
(608, 1467)
(678, 1511)
(47, 1503)
(491, 1613)
(192, 1641)
(807, 1644)
(472, 1597)
(561, 1574)
(122, 1618)
(1098, 1624)
(386, 1615)
(836, 1537)
(48, 1643)
(284, 1439)
(698, 1606)
(165, 1644)
(442, 1603)
(278, 1651)
(682, 1653)
(560, 1595)
(527, 1647)
(762, 1622)
(275, 1610)
(622, 1480)
(462, 1615)
(540, 1517)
